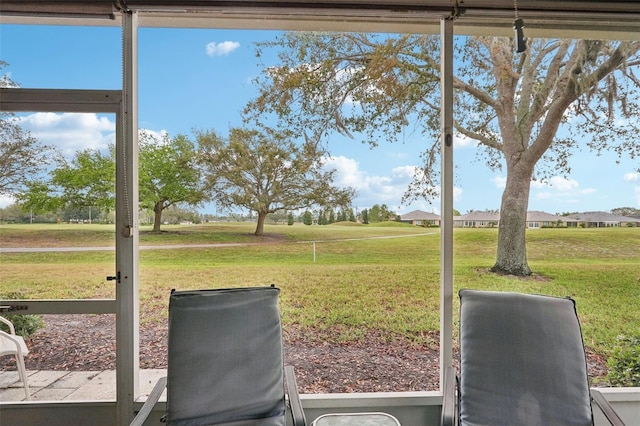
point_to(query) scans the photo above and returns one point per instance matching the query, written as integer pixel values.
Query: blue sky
(201, 79)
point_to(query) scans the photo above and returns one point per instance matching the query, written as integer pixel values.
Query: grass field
(383, 277)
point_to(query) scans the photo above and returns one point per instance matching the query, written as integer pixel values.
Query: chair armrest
(21, 346)
(9, 324)
(151, 401)
(606, 408)
(294, 398)
(448, 415)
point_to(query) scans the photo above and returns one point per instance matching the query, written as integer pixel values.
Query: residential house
(603, 220)
(539, 219)
(477, 219)
(420, 218)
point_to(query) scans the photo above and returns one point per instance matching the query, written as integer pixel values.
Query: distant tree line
(327, 216)
(262, 171)
(619, 211)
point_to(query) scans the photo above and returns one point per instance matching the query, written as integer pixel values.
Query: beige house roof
(478, 216)
(419, 215)
(540, 216)
(601, 217)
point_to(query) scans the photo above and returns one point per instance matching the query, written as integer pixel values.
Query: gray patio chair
(522, 362)
(225, 361)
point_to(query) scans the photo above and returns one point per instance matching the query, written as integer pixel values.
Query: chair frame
(292, 398)
(451, 398)
(18, 353)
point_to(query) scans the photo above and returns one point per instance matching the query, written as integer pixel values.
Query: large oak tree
(266, 171)
(169, 174)
(86, 180)
(377, 86)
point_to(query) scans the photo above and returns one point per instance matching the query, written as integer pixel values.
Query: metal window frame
(126, 303)
(544, 18)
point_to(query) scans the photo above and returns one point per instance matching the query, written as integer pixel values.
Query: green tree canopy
(86, 180)
(21, 155)
(169, 174)
(365, 216)
(307, 218)
(626, 211)
(265, 171)
(375, 86)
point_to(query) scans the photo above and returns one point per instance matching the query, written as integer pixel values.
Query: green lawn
(363, 276)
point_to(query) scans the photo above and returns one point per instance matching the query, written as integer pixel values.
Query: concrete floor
(70, 385)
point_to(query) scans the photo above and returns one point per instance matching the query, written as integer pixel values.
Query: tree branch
(478, 94)
(479, 137)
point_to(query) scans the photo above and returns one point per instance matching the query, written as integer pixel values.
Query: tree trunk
(511, 256)
(260, 226)
(157, 217)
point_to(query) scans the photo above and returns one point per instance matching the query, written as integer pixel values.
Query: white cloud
(404, 172)
(462, 141)
(371, 189)
(632, 177)
(71, 132)
(556, 188)
(559, 183)
(6, 200)
(560, 189)
(500, 182)
(457, 193)
(379, 189)
(221, 49)
(348, 172)
(158, 136)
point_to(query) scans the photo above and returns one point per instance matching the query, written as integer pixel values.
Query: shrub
(624, 362)
(25, 325)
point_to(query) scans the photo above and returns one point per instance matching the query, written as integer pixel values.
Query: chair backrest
(9, 342)
(225, 362)
(522, 361)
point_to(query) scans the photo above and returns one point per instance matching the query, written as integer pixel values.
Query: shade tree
(22, 156)
(169, 174)
(264, 171)
(377, 86)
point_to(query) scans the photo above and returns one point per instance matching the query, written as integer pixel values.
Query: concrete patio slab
(74, 380)
(12, 394)
(101, 387)
(72, 385)
(48, 394)
(8, 378)
(44, 378)
(148, 379)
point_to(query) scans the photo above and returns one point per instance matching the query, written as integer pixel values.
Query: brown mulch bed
(373, 364)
